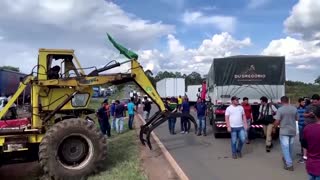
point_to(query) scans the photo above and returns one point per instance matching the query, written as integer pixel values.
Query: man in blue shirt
(301, 110)
(201, 109)
(103, 120)
(131, 110)
(112, 110)
(119, 114)
(185, 109)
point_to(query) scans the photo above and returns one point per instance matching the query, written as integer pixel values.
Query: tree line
(11, 68)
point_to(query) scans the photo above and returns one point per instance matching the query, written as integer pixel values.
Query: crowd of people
(238, 118)
(116, 112)
(181, 104)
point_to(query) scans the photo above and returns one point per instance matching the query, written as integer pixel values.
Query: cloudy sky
(173, 35)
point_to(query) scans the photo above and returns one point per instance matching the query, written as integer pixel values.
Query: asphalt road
(207, 158)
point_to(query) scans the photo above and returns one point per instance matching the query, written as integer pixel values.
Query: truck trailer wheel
(72, 149)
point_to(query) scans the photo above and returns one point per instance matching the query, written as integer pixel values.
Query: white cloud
(297, 52)
(303, 19)
(174, 45)
(89, 18)
(302, 52)
(179, 58)
(80, 25)
(257, 3)
(303, 66)
(223, 23)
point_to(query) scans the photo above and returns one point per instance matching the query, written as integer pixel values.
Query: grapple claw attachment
(143, 141)
(156, 120)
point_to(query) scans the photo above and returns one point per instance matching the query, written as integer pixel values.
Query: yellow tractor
(69, 145)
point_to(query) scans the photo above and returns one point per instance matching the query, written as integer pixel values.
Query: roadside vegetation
(123, 160)
(295, 90)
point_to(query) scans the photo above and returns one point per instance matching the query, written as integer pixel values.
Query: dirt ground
(153, 162)
(20, 171)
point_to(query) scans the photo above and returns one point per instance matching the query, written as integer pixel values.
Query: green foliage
(11, 68)
(296, 89)
(193, 79)
(123, 159)
(166, 74)
(317, 80)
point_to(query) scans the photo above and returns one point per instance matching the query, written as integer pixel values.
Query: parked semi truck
(169, 87)
(244, 76)
(193, 92)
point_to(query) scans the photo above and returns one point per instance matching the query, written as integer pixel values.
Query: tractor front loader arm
(141, 79)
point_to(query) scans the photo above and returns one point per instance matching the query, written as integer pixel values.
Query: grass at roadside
(123, 152)
(123, 159)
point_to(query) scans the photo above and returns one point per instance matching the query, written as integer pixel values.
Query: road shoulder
(153, 162)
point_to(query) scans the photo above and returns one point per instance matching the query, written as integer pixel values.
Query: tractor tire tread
(53, 168)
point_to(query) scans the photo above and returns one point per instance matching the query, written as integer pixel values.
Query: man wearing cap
(236, 121)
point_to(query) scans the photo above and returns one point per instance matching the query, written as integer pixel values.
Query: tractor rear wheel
(72, 149)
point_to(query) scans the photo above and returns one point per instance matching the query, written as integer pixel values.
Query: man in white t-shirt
(237, 125)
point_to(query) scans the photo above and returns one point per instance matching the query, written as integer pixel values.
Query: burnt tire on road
(72, 149)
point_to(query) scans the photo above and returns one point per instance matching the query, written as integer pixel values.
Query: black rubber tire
(48, 150)
(217, 135)
(32, 153)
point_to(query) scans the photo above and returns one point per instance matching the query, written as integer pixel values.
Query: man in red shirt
(310, 141)
(248, 112)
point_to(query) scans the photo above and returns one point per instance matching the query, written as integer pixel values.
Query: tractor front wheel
(72, 149)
